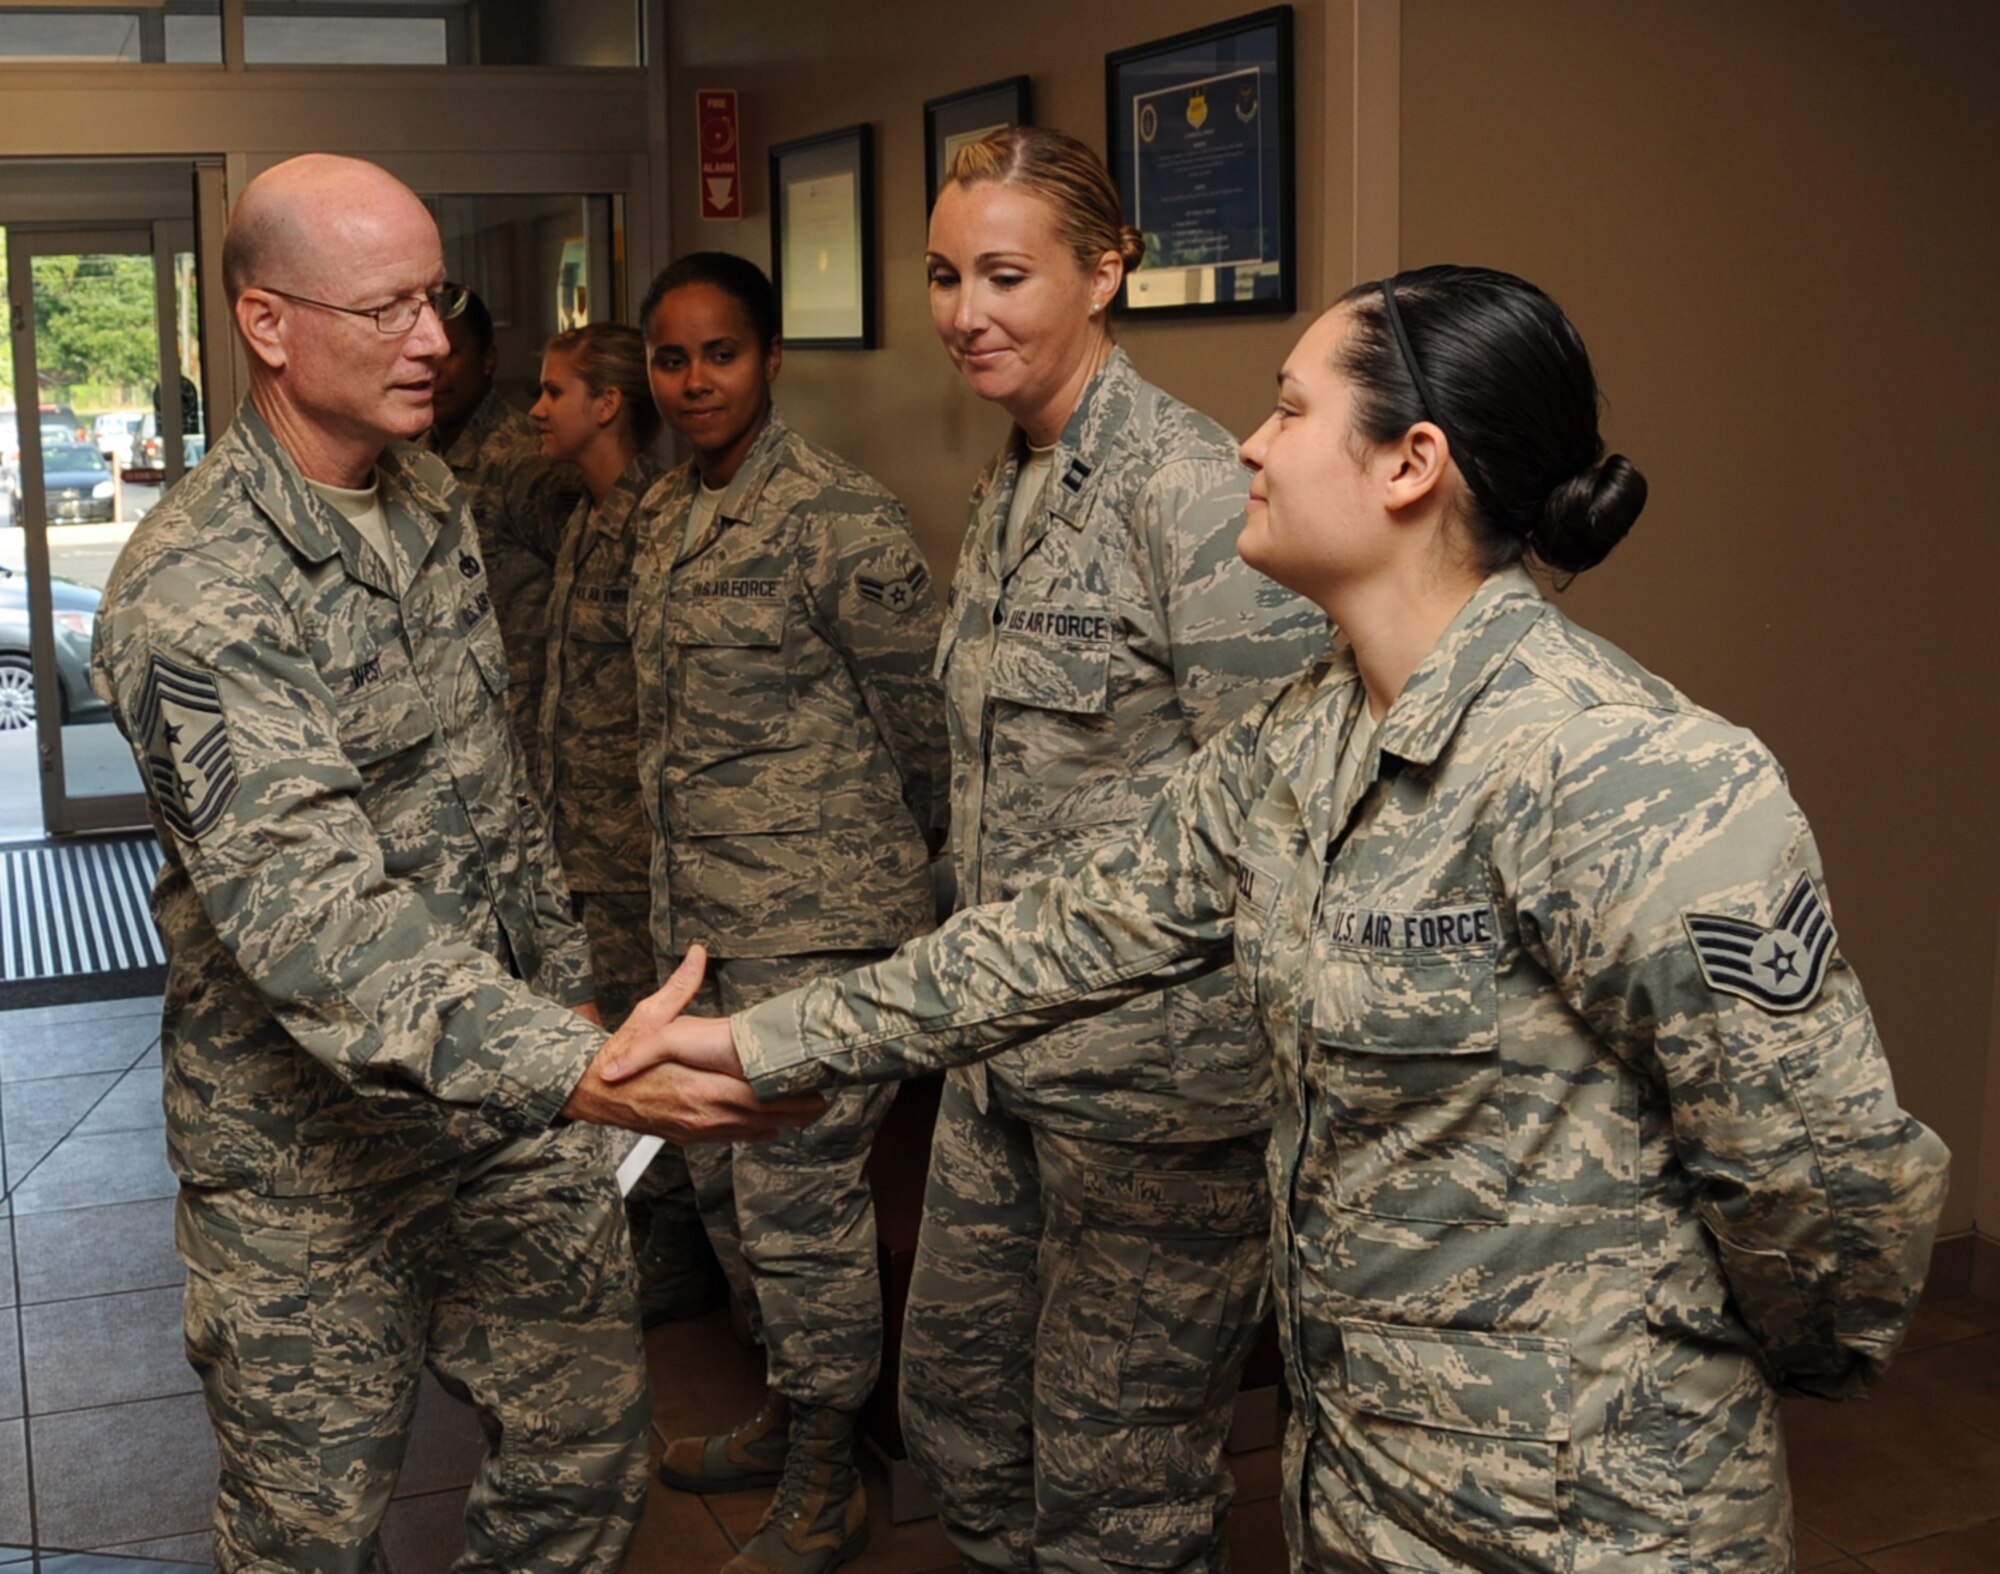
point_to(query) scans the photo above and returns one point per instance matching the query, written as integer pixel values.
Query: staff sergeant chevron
(1780, 968)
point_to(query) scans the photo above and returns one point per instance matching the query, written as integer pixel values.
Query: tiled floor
(107, 1465)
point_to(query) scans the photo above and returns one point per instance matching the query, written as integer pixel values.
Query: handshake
(678, 1077)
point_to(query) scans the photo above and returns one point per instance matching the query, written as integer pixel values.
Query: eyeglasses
(401, 314)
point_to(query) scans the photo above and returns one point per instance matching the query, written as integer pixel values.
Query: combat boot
(679, 1278)
(819, 1518)
(750, 1454)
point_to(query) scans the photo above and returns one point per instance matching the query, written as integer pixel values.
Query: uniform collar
(611, 517)
(677, 492)
(491, 412)
(1456, 672)
(408, 477)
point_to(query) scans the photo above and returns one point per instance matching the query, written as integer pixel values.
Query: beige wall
(1775, 225)
(806, 66)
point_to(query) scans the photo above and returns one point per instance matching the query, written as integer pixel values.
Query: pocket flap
(1407, 1002)
(382, 710)
(721, 620)
(1498, 1385)
(738, 811)
(1053, 674)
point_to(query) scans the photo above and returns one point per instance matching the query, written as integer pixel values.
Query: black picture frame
(973, 113)
(1199, 138)
(823, 239)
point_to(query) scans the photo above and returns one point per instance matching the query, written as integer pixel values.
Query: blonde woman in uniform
(1587, 1150)
(596, 412)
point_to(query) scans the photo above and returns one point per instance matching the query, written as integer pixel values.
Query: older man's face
(345, 375)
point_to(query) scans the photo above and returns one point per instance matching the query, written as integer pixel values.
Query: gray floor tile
(178, 1552)
(88, 1011)
(31, 1050)
(35, 1116)
(108, 1350)
(87, 1172)
(108, 1563)
(97, 1251)
(16, 1528)
(446, 1444)
(11, 1556)
(125, 1473)
(133, 1105)
(10, 1368)
(6, 1265)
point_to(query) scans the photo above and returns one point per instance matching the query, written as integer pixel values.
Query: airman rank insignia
(1780, 968)
(188, 758)
(898, 595)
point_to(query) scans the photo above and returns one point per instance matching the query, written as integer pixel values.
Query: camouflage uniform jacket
(589, 753)
(792, 747)
(1120, 632)
(356, 878)
(1586, 1146)
(519, 502)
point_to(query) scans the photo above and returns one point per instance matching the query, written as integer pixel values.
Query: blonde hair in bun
(1064, 173)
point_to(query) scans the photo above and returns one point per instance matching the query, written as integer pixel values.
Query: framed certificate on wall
(1200, 144)
(823, 239)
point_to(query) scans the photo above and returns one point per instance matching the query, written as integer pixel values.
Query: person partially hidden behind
(378, 1036)
(520, 498)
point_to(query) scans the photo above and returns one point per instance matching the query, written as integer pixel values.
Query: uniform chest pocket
(599, 615)
(1406, 1062)
(729, 688)
(381, 710)
(1072, 677)
(1258, 881)
(726, 624)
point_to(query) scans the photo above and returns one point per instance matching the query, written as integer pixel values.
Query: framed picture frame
(958, 118)
(1199, 134)
(823, 239)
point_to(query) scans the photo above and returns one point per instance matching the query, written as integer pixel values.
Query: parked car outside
(115, 430)
(150, 454)
(75, 609)
(75, 480)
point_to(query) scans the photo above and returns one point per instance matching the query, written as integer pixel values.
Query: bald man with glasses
(378, 1039)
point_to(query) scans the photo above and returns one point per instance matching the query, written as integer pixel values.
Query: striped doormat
(74, 921)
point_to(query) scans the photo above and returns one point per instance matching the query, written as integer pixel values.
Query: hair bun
(1131, 246)
(1587, 515)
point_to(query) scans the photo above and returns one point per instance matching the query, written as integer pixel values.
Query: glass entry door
(107, 414)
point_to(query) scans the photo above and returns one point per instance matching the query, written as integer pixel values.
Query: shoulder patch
(1780, 968)
(898, 595)
(188, 759)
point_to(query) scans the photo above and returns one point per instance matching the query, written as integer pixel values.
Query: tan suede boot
(750, 1454)
(819, 1518)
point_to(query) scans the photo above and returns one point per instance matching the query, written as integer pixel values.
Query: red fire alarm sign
(721, 169)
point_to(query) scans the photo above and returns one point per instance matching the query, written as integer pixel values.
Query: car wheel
(17, 692)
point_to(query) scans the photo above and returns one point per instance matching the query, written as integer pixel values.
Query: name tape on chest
(735, 589)
(1062, 624)
(1435, 929)
(896, 595)
(188, 758)
(1781, 967)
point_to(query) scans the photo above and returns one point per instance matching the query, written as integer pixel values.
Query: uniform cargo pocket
(384, 711)
(1407, 1064)
(1461, 1437)
(1054, 674)
(1159, 1536)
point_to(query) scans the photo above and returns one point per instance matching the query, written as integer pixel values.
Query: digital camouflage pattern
(1078, 1320)
(792, 1219)
(520, 501)
(371, 955)
(1559, 1218)
(791, 737)
(1120, 632)
(589, 744)
(368, 1020)
(527, 1258)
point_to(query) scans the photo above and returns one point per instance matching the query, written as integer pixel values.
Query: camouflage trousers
(1079, 1316)
(621, 949)
(792, 1220)
(311, 1319)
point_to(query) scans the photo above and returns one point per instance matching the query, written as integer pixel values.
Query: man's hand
(702, 1100)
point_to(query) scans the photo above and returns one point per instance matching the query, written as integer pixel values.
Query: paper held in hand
(633, 1165)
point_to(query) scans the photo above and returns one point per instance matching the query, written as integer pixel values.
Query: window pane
(183, 30)
(442, 32)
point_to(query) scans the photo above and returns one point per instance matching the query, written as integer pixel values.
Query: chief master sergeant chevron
(369, 1037)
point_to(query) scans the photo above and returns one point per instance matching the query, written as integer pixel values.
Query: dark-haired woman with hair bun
(1586, 1149)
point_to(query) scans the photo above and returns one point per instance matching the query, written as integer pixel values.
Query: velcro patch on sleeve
(1781, 967)
(188, 759)
(898, 595)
